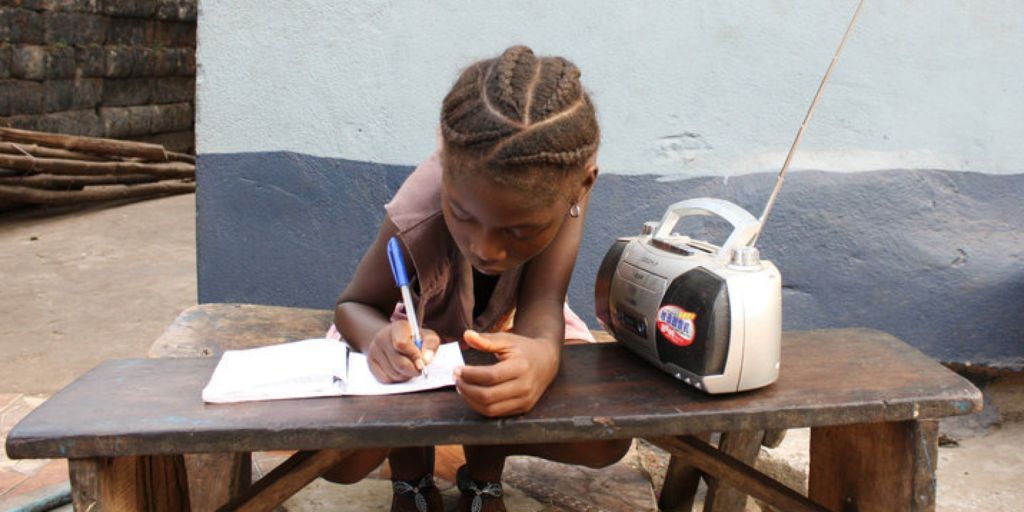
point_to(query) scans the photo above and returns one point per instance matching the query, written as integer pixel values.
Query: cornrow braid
(571, 157)
(565, 91)
(514, 68)
(461, 123)
(520, 115)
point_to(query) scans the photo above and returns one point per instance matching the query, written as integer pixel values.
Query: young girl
(491, 224)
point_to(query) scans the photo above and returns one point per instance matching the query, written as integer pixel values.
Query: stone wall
(104, 68)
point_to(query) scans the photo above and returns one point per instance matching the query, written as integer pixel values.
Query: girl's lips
(491, 271)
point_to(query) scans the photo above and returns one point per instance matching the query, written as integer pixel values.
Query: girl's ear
(589, 177)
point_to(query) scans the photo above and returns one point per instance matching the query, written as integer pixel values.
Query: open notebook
(314, 367)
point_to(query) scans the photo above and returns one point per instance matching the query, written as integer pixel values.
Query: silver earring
(574, 210)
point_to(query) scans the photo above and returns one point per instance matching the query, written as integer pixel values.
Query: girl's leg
(356, 467)
(479, 479)
(406, 464)
(411, 463)
(412, 480)
(488, 462)
(411, 475)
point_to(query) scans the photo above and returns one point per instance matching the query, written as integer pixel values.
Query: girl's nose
(488, 248)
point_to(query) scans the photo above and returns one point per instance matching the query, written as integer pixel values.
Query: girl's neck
(483, 289)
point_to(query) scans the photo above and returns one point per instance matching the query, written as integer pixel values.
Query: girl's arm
(528, 356)
(539, 310)
(362, 316)
(363, 308)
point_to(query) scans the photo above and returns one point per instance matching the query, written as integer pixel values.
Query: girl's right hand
(393, 355)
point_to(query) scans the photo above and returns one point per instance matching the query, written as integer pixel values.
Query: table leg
(743, 446)
(773, 438)
(681, 480)
(216, 478)
(153, 483)
(717, 464)
(875, 466)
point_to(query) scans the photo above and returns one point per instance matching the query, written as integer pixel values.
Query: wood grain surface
(828, 377)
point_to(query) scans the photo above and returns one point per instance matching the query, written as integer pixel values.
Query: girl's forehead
(500, 204)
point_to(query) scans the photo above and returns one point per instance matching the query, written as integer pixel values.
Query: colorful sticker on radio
(677, 325)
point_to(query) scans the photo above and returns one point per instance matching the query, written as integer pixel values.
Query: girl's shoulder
(419, 197)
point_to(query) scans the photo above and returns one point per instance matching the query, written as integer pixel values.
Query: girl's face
(498, 228)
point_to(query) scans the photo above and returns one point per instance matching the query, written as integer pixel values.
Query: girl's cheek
(525, 251)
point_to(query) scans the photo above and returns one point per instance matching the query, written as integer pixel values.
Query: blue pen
(402, 280)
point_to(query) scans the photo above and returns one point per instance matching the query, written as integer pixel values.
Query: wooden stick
(181, 157)
(13, 148)
(77, 167)
(93, 194)
(154, 152)
(739, 475)
(66, 182)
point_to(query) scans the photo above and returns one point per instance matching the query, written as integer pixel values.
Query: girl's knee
(355, 467)
(605, 453)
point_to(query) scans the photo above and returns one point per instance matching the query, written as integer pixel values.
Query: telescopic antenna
(803, 126)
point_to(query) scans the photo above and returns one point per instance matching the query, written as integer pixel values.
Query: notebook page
(306, 368)
(438, 374)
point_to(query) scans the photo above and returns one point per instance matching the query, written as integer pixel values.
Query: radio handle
(745, 226)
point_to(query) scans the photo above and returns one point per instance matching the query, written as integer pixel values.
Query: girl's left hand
(513, 385)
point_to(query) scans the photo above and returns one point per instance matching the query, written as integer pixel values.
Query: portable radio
(710, 316)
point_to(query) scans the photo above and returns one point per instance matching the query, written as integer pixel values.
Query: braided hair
(523, 118)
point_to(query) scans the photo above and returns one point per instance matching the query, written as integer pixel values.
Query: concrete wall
(114, 68)
(903, 211)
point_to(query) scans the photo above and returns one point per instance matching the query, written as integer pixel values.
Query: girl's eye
(459, 216)
(524, 234)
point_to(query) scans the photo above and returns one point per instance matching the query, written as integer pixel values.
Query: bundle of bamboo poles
(53, 169)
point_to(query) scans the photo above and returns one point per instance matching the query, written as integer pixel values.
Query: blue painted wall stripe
(934, 257)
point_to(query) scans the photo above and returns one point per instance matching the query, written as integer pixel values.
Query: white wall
(683, 87)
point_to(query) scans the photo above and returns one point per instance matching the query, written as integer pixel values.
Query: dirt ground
(83, 286)
(89, 285)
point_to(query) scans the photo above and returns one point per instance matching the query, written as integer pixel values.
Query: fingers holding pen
(402, 365)
(405, 346)
(393, 355)
(431, 342)
(388, 366)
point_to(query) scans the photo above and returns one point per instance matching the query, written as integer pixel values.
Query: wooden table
(871, 401)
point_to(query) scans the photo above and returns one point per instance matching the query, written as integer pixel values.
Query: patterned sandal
(482, 496)
(423, 493)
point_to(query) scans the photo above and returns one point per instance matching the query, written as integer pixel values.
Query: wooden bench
(871, 402)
